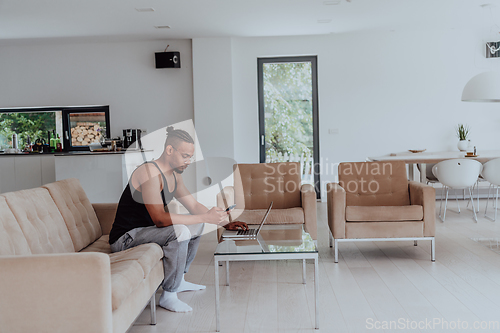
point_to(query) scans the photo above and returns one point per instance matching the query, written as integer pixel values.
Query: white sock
(169, 301)
(188, 286)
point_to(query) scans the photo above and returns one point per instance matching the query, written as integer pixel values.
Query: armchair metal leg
(330, 237)
(414, 243)
(303, 271)
(152, 305)
(336, 251)
(433, 249)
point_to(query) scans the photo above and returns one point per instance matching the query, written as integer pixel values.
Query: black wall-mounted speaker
(168, 59)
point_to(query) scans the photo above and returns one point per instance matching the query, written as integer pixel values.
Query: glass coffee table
(275, 242)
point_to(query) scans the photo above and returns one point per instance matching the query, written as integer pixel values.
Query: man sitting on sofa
(142, 216)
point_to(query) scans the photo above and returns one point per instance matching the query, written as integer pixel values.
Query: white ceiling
(119, 19)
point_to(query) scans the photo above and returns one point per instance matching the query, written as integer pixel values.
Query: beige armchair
(256, 185)
(375, 201)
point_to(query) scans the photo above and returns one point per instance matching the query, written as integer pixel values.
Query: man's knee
(182, 232)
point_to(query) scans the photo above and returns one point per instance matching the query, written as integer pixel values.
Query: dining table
(422, 158)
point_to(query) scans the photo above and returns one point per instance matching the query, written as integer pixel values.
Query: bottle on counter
(58, 144)
(52, 141)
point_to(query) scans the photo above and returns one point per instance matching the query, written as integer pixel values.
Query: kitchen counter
(71, 153)
(102, 174)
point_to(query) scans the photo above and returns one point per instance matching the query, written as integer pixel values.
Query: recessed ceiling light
(162, 26)
(146, 9)
(331, 3)
(325, 21)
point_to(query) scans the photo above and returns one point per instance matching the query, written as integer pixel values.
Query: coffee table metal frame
(266, 256)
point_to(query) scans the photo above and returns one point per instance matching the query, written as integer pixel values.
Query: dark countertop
(73, 153)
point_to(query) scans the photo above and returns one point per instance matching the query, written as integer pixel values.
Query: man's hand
(236, 226)
(215, 216)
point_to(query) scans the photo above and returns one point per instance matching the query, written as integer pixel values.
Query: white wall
(121, 74)
(213, 109)
(386, 92)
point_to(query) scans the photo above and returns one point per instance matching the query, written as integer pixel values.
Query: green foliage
(34, 124)
(463, 131)
(288, 108)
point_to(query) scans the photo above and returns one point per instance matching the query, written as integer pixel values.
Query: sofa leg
(336, 251)
(414, 243)
(152, 305)
(330, 237)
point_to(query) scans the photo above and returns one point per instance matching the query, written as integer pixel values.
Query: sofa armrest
(308, 199)
(336, 203)
(56, 293)
(106, 215)
(425, 196)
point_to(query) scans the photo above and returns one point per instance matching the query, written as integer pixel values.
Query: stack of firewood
(83, 134)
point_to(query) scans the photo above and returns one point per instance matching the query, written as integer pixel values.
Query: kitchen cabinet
(21, 172)
(7, 174)
(28, 172)
(103, 176)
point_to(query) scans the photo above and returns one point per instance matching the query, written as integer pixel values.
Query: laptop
(246, 234)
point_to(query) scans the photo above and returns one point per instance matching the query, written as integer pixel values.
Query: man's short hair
(176, 136)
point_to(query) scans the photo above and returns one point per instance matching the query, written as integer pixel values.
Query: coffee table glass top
(274, 239)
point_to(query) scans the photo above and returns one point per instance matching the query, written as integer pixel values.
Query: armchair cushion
(256, 185)
(276, 216)
(384, 213)
(374, 183)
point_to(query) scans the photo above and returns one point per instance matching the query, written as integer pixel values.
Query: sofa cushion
(276, 216)
(147, 255)
(100, 245)
(384, 213)
(129, 268)
(12, 240)
(40, 220)
(77, 211)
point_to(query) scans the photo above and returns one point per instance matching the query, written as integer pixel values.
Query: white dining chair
(491, 173)
(457, 174)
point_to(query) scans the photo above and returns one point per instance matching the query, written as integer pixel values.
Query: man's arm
(151, 194)
(194, 207)
(187, 200)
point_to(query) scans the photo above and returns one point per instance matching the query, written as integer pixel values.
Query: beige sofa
(56, 270)
(375, 201)
(256, 185)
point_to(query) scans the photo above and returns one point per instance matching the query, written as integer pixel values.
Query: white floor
(373, 284)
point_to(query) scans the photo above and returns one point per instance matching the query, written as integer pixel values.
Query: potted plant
(463, 132)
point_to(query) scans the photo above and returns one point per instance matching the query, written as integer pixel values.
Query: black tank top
(132, 212)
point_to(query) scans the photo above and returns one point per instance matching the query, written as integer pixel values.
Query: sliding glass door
(288, 113)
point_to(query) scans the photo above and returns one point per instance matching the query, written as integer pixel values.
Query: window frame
(313, 59)
(66, 110)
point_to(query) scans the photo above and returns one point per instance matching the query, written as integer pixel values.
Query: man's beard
(179, 171)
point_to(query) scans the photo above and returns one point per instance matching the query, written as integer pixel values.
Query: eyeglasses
(185, 157)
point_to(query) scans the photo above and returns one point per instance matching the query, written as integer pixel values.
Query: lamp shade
(484, 87)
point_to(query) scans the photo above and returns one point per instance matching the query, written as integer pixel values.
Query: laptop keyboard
(246, 232)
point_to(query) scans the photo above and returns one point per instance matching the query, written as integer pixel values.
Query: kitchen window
(77, 127)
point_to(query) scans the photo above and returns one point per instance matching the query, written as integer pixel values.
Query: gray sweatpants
(179, 242)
